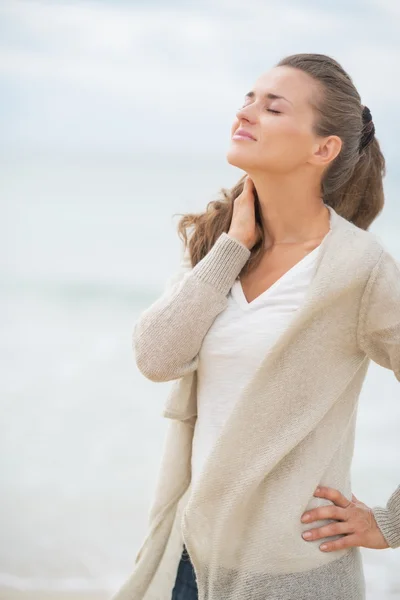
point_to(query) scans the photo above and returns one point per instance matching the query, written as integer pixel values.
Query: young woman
(268, 330)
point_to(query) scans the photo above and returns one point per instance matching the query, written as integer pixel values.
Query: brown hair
(352, 184)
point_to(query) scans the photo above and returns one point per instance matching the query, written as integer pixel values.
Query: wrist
(239, 239)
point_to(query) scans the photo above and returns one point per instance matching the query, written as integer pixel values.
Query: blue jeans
(185, 587)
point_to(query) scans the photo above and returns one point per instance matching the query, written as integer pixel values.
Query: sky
(114, 77)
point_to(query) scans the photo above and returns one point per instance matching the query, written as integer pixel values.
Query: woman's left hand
(355, 519)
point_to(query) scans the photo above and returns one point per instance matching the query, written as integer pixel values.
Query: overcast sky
(114, 76)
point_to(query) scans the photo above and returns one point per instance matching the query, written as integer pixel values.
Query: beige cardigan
(291, 429)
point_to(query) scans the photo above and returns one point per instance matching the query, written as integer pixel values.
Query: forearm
(168, 335)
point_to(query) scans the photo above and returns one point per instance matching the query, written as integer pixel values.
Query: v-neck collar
(237, 289)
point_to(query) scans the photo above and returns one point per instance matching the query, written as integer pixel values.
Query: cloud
(118, 75)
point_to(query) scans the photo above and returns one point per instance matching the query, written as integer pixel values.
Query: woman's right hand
(243, 225)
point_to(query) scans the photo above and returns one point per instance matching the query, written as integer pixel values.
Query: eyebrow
(270, 95)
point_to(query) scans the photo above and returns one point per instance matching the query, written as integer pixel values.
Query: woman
(268, 330)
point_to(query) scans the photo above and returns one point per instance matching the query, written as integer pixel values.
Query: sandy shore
(9, 594)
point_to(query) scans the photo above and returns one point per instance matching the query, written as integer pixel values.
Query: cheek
(284, 138)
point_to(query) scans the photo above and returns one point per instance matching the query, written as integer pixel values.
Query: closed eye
(274, 111)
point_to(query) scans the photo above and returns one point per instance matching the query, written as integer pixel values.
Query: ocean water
(87, 244)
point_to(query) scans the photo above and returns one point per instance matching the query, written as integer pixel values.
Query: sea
(88, 242)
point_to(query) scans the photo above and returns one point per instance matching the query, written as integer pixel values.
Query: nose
(246, 113)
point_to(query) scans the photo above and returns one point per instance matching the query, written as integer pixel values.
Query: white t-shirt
(238, 338)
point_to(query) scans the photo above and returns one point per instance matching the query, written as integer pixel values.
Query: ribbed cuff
(388, 519)
(223, 263)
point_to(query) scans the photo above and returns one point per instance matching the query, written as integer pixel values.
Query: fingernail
(324, 546)
(305, 517)
(307, 534)
(318, 490)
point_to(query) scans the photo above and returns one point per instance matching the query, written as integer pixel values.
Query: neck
(292, 209)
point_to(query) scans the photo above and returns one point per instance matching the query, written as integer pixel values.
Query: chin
(241, 161)
(238, 159)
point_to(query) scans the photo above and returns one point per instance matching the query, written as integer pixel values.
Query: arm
(379, 337)
(168, 335)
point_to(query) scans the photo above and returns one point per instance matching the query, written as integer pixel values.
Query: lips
(242, 133)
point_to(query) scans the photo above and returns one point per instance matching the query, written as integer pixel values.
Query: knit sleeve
(388, 519)
(379, 337)
(168, 335)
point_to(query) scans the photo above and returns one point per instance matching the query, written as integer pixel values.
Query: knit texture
(291, 429)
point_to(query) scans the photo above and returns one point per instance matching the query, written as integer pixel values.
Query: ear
(325, 150)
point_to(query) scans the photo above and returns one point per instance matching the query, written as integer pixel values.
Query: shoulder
(381, 267)
(367, 246)
(363, 255)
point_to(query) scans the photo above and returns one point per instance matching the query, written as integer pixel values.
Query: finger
(327, 530)
(345, 542)
(248, 183)
(332, 494)
(325, 512)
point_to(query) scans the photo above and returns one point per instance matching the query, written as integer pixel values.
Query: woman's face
(281, 127)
